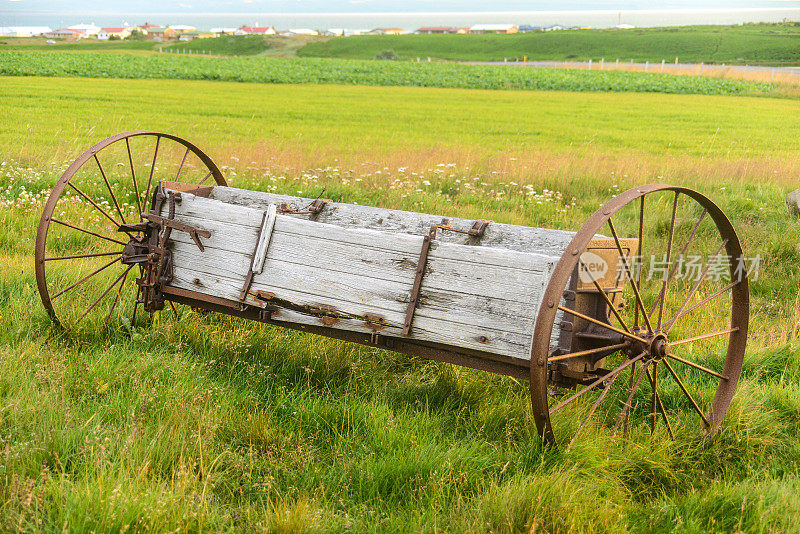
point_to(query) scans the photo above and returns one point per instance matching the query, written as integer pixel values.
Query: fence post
(602, 62)
(646, 64)
(590, 64)
(617, 62)
(505, 60)
(676, 60)
(662, 65)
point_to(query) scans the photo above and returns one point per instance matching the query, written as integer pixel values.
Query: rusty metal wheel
(89, 218)
(664, 297)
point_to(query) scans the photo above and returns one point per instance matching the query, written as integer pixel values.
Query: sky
(367, 6)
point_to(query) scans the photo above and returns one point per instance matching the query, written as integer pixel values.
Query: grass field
(751, 43)
(200, 422)
(386, 73)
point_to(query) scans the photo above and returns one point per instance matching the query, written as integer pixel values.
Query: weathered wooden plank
(359, 295)
(512, 237)
(425, 328)
(264, 237)
(443, 273)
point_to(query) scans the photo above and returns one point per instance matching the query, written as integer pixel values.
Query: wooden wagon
(578, 314)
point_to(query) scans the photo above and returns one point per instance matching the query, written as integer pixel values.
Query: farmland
(752, 44)
(383, 73)
(200, 422)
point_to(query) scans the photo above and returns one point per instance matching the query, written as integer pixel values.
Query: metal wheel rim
(66, 177)
(564, 269)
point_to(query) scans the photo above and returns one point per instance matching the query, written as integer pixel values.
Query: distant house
(387, 31)
(147, 26)
(555, 28)
(87, 30)
(223, 31)
(64, 33)
(335, 32)
(191, 35)
(526, 29)
(462, 30)
(493, 28)
(159, 33)
(23, 31)
(181, 28)
(624, 26)
(258, 30)
(117, 33)
(302, 31)
(349, 33)
(436, 29)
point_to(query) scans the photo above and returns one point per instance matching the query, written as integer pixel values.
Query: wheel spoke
(633, 388)
(152, 168)
(68, 225)
(660, 405)
(79, 256)
(653, 412)
(133, 174)
(601, 323)
(697, 285)
(108, 185)
(109, 264)
(181, 166)
(594, 384)
(587, 352)
(641, 255)
(93, 203)
(605, 297)
(696, 366)
(593, 408)
(704, 336)
(663, 296)
(103, 294)
(119, 291)
(630, 276)
(701, 303)
(673, 270)
(201, 182)
(686, 392)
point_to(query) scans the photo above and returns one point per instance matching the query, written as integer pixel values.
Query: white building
(181, 28)
(493, 28)
(120, 33)
(303, 31)
(87, 30)
(23, 31)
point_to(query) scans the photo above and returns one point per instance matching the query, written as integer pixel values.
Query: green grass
(201, 422)
(60, 45)
(226, 45)
(333, 71)
(753, 44)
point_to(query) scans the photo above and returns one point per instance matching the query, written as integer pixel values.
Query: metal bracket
(314, 208)
(477, 231)
(194, 232)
